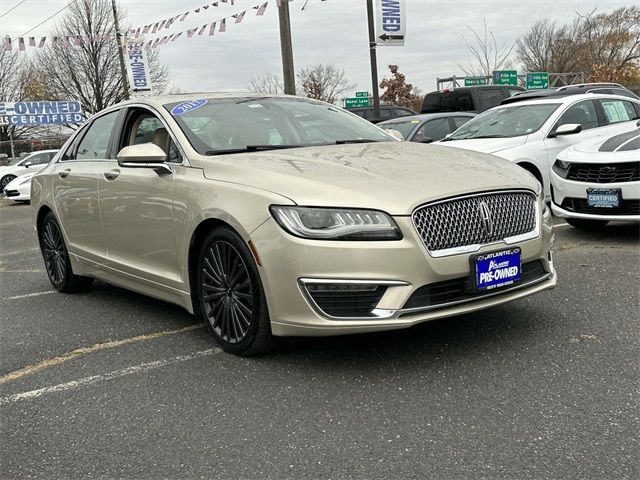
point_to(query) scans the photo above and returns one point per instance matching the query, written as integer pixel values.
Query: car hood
(487, 145)
(391, 176)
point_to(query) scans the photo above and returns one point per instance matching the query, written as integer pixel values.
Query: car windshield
(405, 128)
(217, 126)
(504, 122)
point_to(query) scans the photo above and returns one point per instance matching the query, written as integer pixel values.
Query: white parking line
(143, 367)
(28, 295)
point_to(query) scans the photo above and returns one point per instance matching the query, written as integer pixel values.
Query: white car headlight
(336, 223)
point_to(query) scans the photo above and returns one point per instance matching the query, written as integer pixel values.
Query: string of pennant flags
(135, 35)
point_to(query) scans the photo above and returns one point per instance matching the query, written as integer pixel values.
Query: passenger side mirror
(567, 129)
(27, 164)
(144, 155)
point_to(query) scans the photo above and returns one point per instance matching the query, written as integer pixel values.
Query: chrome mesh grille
(458, 222)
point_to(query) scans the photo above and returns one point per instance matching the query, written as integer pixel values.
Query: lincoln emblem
(485, 217)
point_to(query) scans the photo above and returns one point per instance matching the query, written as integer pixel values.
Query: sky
(330, 32)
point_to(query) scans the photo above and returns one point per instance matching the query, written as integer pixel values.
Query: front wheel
(231, 296)
(6, 180)
(56, 258)
(583, 224)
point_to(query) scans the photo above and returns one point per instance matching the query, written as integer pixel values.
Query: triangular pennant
(21, 44)
(184, 15)
(212, 30)
(191, 32)
(261, 8)
(32, 41)
(176, 36)
(42, 42)
(223, 25)
(202, 29)
(7, 44)
(239, 16)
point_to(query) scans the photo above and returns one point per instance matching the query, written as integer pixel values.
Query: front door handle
(64, 173)
(112, 174)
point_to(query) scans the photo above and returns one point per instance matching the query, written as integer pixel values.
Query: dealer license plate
(603, 197)
(497, 269)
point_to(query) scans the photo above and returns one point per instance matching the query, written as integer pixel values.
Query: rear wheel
(231, 296)
(56, 258)
(4, 181)
(583, 224)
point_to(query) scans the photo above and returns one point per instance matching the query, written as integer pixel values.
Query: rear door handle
(112, 174)
(64, 173)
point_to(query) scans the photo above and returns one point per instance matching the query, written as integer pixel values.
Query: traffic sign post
(472, 81)
(354, 102)
(537, 80)
(505, 77)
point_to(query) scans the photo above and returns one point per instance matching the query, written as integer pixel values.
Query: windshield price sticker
(498, 269)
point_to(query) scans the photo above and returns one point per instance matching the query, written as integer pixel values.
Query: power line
(12, 9)
(49, 18)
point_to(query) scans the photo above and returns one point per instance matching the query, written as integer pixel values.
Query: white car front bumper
(18, 191)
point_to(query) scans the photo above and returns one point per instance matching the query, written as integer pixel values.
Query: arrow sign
(390, 22)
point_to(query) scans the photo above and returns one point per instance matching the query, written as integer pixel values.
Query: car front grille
(475, 220)
(580, 205)
(461, 289)
(604, 173)
(345, 300)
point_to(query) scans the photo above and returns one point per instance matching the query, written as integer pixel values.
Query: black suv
(468, 99)
(387, 112)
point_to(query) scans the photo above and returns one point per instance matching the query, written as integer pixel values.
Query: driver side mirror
(144, 155)
(566, 129)
(27, 164)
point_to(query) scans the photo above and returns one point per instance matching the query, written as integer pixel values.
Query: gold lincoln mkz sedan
(281, 216)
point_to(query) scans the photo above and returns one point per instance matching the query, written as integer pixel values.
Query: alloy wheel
(54, 252)
(227, 292)
(5, 181)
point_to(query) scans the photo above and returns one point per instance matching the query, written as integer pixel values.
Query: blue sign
(41, 113)
(185, 107)
(498, 269)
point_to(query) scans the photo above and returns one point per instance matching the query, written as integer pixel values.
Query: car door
(136, 205)
(75, 188)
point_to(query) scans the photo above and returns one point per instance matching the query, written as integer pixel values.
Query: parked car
(603, 88)
(386, 112)
(468, 99)
(32, 162)
(597, 181)
(277, 216)
(531, 133)
(429, 127)
(19, 189)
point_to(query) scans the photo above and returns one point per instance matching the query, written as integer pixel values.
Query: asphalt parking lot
(117, 385)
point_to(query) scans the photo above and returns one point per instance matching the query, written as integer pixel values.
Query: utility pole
(374, 61)
(121, 46)
(288, 73)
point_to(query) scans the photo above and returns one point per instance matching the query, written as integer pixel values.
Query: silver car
(278, 216)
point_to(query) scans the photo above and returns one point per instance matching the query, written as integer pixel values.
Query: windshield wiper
(357, 140)
(251, 148)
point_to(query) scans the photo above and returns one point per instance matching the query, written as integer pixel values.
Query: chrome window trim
(376, 313)
(535, 233)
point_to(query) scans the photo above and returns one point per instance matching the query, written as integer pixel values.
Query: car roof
(428, 116)
(567, 99)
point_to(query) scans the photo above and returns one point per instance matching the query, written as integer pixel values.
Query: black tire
(582, 224)
(231, 296)
(56, 258)
(4, 181)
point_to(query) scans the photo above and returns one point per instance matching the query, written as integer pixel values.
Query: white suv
(531, 133)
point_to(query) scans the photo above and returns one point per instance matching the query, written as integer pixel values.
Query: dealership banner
(41, 113)
(138, 69)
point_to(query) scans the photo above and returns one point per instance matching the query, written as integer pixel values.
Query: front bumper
(563, 189)
(404, 266)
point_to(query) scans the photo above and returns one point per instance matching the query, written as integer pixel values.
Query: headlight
(561, 168)
(336, 223)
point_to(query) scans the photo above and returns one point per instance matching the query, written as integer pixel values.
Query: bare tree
(322, 82)
(266, 83)
(547, 47)
(83, 64)
(485, 55)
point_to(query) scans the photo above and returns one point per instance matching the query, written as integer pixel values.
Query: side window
(459, 121)
(95, 142)
(462, 101)
(39, 159)
(490, 97)
(366, 114)
(583, 113)
(433, 129)
(616, 111)
(385, 113)
(144, 127)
